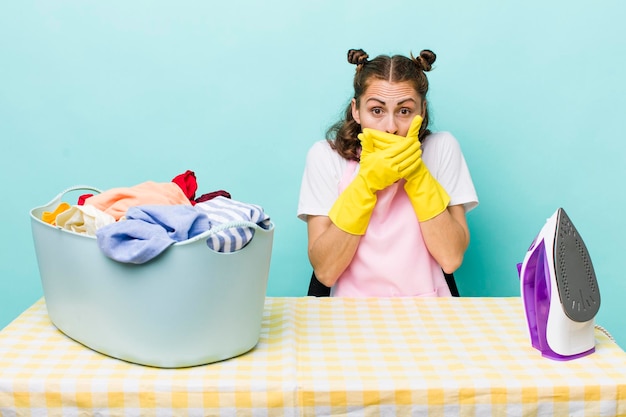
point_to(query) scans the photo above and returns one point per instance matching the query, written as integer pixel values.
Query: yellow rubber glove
(352, 210)
(427, 196)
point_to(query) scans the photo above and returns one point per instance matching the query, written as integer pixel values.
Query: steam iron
(559, 291)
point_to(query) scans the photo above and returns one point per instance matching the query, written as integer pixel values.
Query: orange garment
(50, 216)
(117, 200)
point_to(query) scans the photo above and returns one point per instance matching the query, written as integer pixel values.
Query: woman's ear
(423, 109)
(355, 111)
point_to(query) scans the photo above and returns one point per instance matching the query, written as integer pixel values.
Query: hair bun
(357, 57)
(425, 60)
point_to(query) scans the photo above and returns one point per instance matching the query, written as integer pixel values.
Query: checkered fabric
(326, 356)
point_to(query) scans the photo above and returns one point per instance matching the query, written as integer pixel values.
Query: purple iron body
(559, 291)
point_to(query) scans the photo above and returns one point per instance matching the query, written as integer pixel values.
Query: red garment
(212, 195)
(187, 182)
(82, 198)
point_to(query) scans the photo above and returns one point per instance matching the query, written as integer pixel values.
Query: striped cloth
(220, 211)
(326, 356)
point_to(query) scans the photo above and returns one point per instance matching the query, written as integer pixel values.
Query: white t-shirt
(324, 169)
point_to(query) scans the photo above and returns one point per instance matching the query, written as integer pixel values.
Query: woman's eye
(377, 110)
(405, 111)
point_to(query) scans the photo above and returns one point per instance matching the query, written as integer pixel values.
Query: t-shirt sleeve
(320, 181)
(443, 156)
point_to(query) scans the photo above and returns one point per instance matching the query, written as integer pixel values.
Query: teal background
(116, 93)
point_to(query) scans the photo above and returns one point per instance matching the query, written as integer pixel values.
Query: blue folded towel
(149, 230)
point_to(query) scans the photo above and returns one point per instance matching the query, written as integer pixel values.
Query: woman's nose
(391, 125)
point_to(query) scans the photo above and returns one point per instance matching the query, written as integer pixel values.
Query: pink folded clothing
(117, 200)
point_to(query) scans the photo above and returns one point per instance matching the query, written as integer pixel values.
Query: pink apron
(390, 262)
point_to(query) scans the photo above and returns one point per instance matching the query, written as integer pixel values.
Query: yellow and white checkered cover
(326, 356)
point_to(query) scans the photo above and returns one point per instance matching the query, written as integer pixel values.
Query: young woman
(384, 198)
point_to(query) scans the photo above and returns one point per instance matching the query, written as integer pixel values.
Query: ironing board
(323, 356)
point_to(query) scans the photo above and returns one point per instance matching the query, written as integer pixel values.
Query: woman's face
(388, 107)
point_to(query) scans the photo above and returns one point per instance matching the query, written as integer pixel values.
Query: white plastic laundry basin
(188, 306)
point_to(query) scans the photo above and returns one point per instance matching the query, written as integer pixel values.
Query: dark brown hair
(342, 136)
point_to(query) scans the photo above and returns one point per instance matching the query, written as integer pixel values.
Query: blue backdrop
(116, 93)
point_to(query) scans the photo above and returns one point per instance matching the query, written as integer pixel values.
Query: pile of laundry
(136, 224)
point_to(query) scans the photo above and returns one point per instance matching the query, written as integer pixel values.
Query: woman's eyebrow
(399, 102)
(407, 99)
(376, 99)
